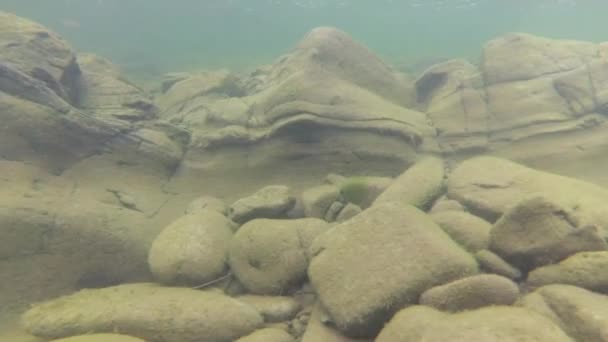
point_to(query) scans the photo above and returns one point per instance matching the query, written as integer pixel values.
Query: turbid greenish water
(154, 36)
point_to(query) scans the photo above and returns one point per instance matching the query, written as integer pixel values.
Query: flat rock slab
(270, 202)
(380, 260)
(148, 311)
(489, 186)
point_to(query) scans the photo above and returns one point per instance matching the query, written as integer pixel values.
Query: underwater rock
(521, 56)
(104, 92)
(207, 203)
(273, 308)
(362, 191)
(580, 313)
(273, 201)
(267, 335)
(308, 113)
(471, 293)
(380, 260)
(470, 231)
(271, 256)
(40, 53)
(100, 338)
(537, 232)
(452, 95)
(587, 270)
(445, 204)
(492, 263)
(490, 324)
(55, 241)
(39, 127)
(333, 211)
(316, 201)
(192, 250)
(418, 186)
(319, 329)
(489, 186)
(349, 210)
(147, 311)
(534, 100)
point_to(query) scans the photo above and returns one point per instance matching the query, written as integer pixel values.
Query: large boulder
(105, 93)
(470, 231)
(537, 231)
(329, 105)
(379, 261)
(580, 313)
(535, 100)
(271, 256)
(41, 54)
(489, 186)
(491, 324)
(419, 186)
(151, 312)
(586, 270)
(54, 242)
(192, 250)
(471, 293)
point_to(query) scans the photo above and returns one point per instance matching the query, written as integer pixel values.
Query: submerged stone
(147, 311)
(380, 260)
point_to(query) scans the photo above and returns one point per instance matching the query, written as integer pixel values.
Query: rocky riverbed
(324, 197)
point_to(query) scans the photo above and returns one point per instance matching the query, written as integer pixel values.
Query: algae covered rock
(362, 191)
(380, 260)
(537, 232)
(270, 202)
(100, 338)
(492, 263)
(147, 311)
(587, 270)
(267, 335)
(316, 201)
(419, 185)
(490, 324)
(273, 308)
(207, 203)
(489, 186)
(582, 314)
(471, 293)
(317, 329)
(192, 250)
(349, 210)
(330, 105)
(41, 54)
(470, 231)
(105, 93)
(271, 256)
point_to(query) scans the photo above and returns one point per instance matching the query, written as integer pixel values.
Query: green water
(154, 36)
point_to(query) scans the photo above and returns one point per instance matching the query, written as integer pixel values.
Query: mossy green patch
(355, 190)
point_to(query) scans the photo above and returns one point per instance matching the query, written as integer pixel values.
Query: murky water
(152, 36)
